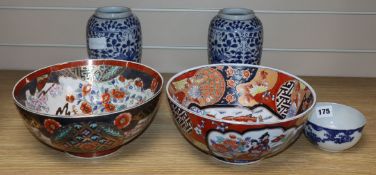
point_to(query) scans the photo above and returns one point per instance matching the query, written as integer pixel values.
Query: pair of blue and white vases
(235, 36)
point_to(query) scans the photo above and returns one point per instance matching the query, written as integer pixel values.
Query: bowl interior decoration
(88, 108)
(239, 113)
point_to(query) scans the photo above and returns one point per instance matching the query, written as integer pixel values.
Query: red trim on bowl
(57, 67)
(111, 62)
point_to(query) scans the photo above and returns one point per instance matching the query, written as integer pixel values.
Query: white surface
(343, 117)
(327, 31)
(324, 111)
(97, 43)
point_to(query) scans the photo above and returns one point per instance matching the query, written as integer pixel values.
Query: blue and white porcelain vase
(235, 36)
(114, 32)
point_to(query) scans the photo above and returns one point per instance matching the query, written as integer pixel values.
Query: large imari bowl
(89, 108)
(239, 113)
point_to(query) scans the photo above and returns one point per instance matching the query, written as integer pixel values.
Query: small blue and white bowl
(334, 127)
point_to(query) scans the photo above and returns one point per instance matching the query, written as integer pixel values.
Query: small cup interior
(241, 93)
(343, 117)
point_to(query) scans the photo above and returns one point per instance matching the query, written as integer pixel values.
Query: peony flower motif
(246, 74)
(106, 98)
(154, 85)
(109, 107)
(86, 89)
(86, 108)
(51, 125)
(230, 98)
(123, 120)
(117, 93)
(121, 78)
(139, 83)
(69, 98)
(231, 83)
(230, 72)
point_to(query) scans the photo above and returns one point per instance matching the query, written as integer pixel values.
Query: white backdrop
(304, 37)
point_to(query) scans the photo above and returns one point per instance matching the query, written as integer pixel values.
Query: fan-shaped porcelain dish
(88, 108)
(239, 113)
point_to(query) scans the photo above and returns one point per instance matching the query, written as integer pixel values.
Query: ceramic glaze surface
(332, 140)
(251, 145)
(89, 90)
(234, 39)
(90, 107)
(114, 37)
(337, 132)
(239, 113)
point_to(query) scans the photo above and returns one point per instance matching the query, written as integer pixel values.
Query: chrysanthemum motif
(51, 125)
(230, 71)
(139, 83)
(109, 107)
(122, 78)
(231, 83)
(86, 88)
(230, 98)
(123, 120)
(194, 92)
(246, 74)
(86, 108)
(106, 98)
(69, 98)
(118, 94)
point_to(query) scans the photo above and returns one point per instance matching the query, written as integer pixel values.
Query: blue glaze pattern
(235, 41)
(336, 136)
(123, 38)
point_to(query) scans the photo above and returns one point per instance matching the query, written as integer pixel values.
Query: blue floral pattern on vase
(336, 136)
(123, 38)
(235, 41)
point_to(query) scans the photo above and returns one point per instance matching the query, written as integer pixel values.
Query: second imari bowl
(89, 108)
(239, 113)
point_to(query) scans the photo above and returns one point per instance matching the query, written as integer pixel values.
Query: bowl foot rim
(236, 163)
(98, 154)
